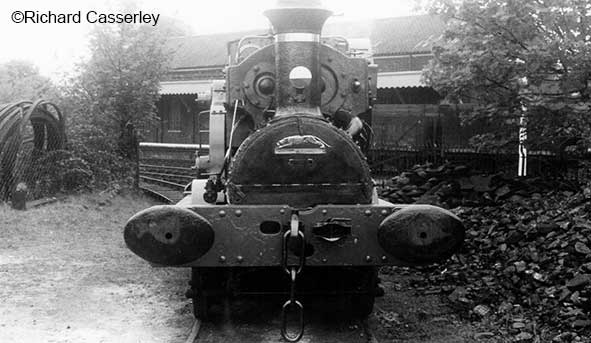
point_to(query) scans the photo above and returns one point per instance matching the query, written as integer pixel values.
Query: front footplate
(336, 235)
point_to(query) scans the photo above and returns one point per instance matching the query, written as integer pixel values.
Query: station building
(401, 47)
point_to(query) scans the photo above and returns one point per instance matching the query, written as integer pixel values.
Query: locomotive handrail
(245, 38)
(229, 151)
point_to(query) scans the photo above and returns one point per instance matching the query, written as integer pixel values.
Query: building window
(418, 62)
(402, 62)
(174, 116)
(393, 63)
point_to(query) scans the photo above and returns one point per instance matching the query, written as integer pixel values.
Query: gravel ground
(66, 276)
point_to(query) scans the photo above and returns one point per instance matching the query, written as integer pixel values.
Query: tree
(117, 88)
(20, 80)
(514, 57)
(111, 95)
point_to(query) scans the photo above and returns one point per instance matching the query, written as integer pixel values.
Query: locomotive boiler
(284, 202)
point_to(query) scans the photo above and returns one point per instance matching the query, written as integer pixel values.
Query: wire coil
(28, 131)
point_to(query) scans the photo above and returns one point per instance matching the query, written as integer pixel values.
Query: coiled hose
(28, 130)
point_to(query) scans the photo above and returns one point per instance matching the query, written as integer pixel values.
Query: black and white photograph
(380, 171)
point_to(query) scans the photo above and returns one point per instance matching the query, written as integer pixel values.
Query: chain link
(293, 272)
(302, 255)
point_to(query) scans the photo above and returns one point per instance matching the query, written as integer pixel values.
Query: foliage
(59, 171)
(510, 57)
(106, 100)
(118, 87)
(113, 95)
(20, 80)
(96, 147)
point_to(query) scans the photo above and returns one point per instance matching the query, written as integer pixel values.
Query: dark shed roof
(203, 51)
(389, 36)
(404, 35)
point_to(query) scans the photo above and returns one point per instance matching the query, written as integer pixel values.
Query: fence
(32, 139)
(391, 161)
(410, 134)
(415, 126)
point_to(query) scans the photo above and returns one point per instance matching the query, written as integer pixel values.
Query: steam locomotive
(284, 202)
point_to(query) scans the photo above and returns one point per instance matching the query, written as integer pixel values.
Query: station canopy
(201, 88)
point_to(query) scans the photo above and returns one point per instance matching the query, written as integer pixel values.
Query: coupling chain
(293, 271)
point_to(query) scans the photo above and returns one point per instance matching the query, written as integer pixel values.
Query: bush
(98, 149)
(59, 171)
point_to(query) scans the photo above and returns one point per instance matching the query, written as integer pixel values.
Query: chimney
(297, 25)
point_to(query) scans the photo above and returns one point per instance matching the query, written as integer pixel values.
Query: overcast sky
(54, 48)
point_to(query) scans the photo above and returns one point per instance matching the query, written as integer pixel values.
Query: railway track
(169, 195)
(202, 333)
(165, 169)
(252, 323)
(164, 181)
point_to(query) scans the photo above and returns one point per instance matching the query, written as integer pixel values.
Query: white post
(522, 164)
(522, 150)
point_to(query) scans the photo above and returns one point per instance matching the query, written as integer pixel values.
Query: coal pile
(450, 186)
(526, 262)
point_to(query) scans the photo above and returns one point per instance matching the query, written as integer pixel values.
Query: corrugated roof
(389, 36)
(201, 87)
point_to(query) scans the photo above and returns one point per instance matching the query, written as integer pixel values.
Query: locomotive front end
(257, 236)
(286, 185)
